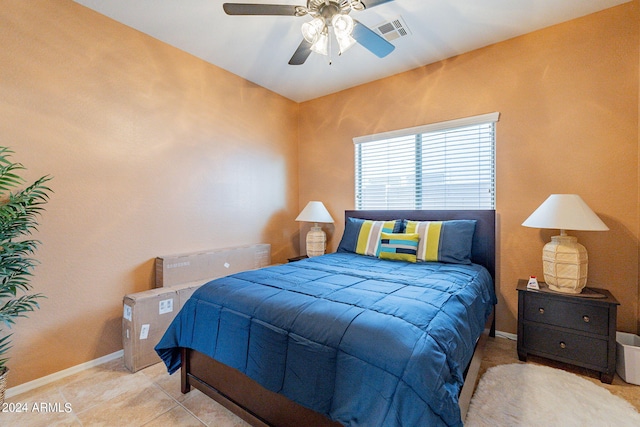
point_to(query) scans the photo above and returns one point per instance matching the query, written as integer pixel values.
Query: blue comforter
(365, 341)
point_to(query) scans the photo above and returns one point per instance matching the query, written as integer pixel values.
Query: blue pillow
(362, 236)
(444, 241)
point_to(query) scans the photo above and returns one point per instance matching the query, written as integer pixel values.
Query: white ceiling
(258, 48)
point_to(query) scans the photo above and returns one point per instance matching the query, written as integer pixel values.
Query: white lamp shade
(565, 212)
(345, 43)
(564, 260)
(342, 25)
(315, 212)
(311, 30)
(321, 45)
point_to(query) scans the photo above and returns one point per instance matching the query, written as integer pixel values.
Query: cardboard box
(148, 314)
(172, 270)
(628, 357)
(185, 290)
(146, 317)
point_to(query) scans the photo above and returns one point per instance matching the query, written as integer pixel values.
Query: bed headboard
(483, 251)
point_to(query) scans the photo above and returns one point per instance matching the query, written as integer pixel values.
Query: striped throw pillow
(444, 241)
(399, 246)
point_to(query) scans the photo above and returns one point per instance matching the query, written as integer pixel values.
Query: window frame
(417, 133)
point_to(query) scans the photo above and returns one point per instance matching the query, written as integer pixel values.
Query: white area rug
(533, 395)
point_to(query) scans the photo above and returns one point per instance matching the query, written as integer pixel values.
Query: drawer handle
(541, 310)
(586, 319)
(562, 345)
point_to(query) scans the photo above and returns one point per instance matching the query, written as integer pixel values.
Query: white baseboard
(507, 335)
(14, 391)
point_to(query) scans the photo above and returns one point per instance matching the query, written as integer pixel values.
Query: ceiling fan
(329, 16)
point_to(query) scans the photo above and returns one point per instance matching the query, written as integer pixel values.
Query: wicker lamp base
(564, 263)
(316, 242)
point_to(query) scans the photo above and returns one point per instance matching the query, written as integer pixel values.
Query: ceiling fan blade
(259, 9)
(371, 40)
(301, 54)
(372, 3)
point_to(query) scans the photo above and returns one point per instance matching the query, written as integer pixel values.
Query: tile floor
(108, 395)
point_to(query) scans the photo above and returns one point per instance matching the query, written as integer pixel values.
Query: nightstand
(298, 258)
(579, 330)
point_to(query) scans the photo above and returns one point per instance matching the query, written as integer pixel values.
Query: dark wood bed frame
(261, 407)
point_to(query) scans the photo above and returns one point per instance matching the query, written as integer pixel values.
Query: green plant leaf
(20, 210)
(18, 307)
(5, 345)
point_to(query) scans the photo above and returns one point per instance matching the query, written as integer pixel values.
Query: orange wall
(153, 152)
(568, 98)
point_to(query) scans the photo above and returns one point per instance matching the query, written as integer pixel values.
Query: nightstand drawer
(567, 346)
(582, 317)
(576, 329)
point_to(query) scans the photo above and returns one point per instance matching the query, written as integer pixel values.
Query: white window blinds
(447, 165)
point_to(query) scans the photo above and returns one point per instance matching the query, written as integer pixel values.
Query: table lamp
(316, 238)
(564, 260)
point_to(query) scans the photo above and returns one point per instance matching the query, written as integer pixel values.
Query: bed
(345, 338)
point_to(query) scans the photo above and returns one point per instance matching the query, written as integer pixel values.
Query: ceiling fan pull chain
(330, 44)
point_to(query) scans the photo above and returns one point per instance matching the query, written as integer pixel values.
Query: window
(447, 165)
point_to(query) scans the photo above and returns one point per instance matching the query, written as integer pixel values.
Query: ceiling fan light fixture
(312, 31)
(345, 42)
(326, 17)
(342, 25)
(321, 45)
